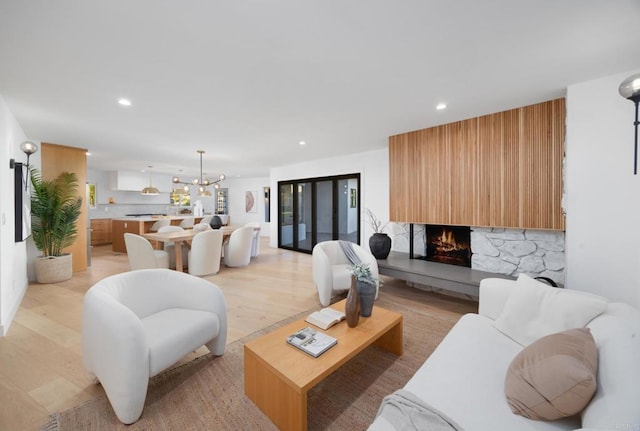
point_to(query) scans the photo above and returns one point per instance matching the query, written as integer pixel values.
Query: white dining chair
(186, 223)
(201, 226)
(158, 224)
(206, 219)
(170, 248)
(237, 251)
(205, 254)
(255, 244)
(142, 255)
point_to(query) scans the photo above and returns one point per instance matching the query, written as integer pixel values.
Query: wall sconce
(630, 89)
(28, 148)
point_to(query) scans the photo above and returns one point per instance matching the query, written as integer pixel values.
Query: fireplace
(447, 244)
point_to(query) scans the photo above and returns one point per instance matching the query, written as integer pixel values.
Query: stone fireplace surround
(504, 250)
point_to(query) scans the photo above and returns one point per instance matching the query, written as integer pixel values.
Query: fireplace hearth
(447, 244)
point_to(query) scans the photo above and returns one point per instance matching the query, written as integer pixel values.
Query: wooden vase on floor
(352, 307)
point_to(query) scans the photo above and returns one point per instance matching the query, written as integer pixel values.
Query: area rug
(208, 392)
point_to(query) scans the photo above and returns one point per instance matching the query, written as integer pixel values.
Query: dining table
(183, 238)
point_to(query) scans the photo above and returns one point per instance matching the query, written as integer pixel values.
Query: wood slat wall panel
(55, 160)
(398, 209)
(499, 170)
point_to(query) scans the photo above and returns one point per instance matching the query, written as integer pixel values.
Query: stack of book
(312, 342)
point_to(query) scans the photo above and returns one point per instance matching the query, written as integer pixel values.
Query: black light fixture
(630, 89)
(202, 183)
(28, 148)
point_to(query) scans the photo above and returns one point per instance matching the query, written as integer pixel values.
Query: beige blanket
(407, 412)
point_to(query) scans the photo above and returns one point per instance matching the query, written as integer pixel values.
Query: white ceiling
(246, 80)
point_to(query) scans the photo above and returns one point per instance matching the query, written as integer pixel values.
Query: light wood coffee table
(277, 376)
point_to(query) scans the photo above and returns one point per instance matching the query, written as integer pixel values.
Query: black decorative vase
(215, 222)
(380, 245)
(367, 294)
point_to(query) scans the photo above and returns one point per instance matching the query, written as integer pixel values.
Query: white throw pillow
(535, 309)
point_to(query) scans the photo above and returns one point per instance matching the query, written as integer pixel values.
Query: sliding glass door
(318, 209)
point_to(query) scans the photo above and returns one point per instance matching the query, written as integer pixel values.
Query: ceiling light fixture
(150, 191)
(202, 183)
(630, 89)
(441, 106)
(124, 102)
(302, 143)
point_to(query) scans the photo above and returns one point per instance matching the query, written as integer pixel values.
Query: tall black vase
(380, 245)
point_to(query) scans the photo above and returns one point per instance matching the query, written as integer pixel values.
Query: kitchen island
(138, 225)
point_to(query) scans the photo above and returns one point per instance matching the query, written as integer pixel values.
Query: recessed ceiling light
(124, 102)
(302, 143)
(441, 106)
(88, 153)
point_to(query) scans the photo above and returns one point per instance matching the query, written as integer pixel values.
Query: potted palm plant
(55, 209)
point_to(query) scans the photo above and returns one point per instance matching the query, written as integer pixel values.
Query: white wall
(373, 167)
(603, 195)
(237, 211)
(13, 255)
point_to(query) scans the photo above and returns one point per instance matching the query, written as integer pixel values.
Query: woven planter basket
(53, 269)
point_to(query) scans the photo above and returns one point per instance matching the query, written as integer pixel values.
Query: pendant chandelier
(150, 191)
(201, 183)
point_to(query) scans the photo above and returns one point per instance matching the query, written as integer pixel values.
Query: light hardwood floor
(41, 368)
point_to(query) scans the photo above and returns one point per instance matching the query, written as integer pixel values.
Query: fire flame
(446, 242)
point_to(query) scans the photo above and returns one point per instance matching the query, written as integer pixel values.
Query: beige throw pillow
(554, 377)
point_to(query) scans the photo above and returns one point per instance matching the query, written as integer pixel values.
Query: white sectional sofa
(464, 378)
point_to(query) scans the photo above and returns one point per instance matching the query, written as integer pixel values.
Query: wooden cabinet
(119, 228)
(101, 231)
(499, 170)
(138, 226)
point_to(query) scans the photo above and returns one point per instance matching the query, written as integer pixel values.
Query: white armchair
(137, 324)
(206, 252)
(331, 268)
(142, 255)
(237, 251)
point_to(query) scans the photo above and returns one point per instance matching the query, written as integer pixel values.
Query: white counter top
(152, 218)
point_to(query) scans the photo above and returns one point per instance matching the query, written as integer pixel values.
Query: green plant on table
(362, 272)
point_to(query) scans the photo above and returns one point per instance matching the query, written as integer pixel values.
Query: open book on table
(325, 318)
(312, 342)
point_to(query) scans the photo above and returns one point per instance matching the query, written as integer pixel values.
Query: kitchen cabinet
(119, 228)
(137, 225)
(101, 231)
(136, 181)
